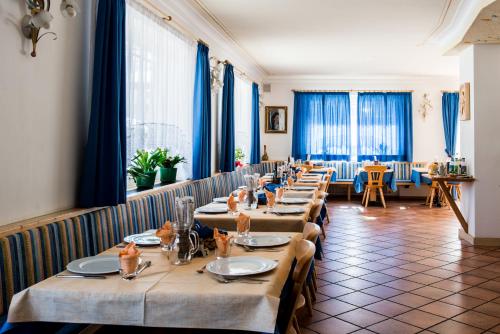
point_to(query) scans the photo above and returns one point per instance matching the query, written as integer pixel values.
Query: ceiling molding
(450, 36)
(189, 15)
(399, 79)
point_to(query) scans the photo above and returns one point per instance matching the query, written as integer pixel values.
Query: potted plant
(143, 168)
(168, 163)
(238, 157)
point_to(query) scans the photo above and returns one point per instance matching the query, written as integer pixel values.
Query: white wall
(43, 120)
(480, 66)
(428, 135)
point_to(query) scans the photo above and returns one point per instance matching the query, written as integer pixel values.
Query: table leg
(454, 206)
(349, 192)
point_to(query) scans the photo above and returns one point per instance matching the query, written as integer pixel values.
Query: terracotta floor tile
(391, 261)
(306, 320)
(392, 326)
(480, 272)
(332, 326)
(411, 300)
(333, 307)
(382, 291)
(404, 285)
(477, 319)
(416, 267)
(492, 309)
(332, 265)
(358, 298)
(420, 319)
(397, 272)
(361, 317)
(454, 327)
(375, 266)
(480, 293)
(387, 308)
(379, 278)
(334, 290)
(441, 273)
(463, 301)
(321, 297)
(442, 309)
(451, 285)
(491, 285)
(354, 271)
(432, 292)
(334, 276)
(353, 260)
(356, 284)
(433, 262)
(423, 278)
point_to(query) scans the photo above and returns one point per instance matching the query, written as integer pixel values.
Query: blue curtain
(450, 121)
(255, 146)
(104, 175)
(321, 126)
(385, 127)
(226, 163)
(202, 116)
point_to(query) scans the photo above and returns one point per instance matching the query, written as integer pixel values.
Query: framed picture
(464, 102)
(276, 119)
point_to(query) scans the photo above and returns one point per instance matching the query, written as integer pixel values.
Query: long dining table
(164, 295)
(259, 219)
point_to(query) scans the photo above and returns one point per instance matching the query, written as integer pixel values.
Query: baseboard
(478, 241)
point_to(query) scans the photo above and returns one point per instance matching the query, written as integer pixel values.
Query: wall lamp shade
(42, 19)
(69, 8)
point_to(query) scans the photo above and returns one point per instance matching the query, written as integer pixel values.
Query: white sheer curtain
(160, 83)
(242, 115)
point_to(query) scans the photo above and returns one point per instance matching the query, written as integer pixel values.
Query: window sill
(158, 188)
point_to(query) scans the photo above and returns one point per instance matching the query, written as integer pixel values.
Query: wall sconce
(40, 17)
(216, 67)
(425, 107)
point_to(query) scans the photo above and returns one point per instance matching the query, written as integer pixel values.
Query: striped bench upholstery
(30, 256)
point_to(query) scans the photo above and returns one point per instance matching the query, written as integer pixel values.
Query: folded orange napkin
(299, 175)
(166, 233)
(262, 183)
(231, 203)
(241, 195)
(242, 223)
(270, 198)
(222, 241)
(280, 192)
(129, 258)
(290, 181)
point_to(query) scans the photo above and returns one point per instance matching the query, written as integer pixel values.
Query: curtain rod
(350, 90)
(169, 20)
(449, 91)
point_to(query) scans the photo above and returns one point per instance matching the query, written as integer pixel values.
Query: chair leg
(312, 292)
(323, 232)
(431, 200)
(349, 192)
(315, 278)
(307, 296)
(368, 194)
(327, 217)
(364, 196)
(296, 325)
(382, 196)
(459, 193)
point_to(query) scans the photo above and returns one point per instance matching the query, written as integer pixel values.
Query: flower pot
(146, 181)
(168, 175)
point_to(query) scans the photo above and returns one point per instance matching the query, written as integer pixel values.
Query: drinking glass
(129, 266)
(223, 249)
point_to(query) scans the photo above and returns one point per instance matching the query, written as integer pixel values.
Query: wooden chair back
(304, 252)
(311, 232)
(315, 210)
(375, 175)
(325, 183)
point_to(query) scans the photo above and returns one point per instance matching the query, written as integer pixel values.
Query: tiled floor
(403, 270)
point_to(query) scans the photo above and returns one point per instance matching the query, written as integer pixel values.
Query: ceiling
(338, 37)
(486, 27)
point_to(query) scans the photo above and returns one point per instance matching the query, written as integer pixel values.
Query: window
(321, 126)
(384, 126)
(242, 115)
(160, 83)
(380, 125)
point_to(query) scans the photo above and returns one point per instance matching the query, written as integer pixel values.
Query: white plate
(269, 174)
(95, 265)
(291, 200)
(288, 211)
(310, 175)
(241, 266)
(147, 238)
(262, 241)
(304, 188)
(308, 181)
(212, 209)
(223, 199)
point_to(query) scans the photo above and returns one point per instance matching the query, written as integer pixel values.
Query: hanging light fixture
(69, 8)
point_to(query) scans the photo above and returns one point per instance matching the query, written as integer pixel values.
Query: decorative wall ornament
(276, 119)
(464, 101)
(426, 106)
(40, 17)
(216, 81)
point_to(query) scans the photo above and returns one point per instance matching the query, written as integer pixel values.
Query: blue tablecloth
(362, 177)
(418, 177)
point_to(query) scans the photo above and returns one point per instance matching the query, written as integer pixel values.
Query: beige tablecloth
(162, 296)
(259, 220)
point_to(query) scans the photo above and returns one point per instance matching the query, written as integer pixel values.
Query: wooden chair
(435, 192)
(311, 232)
(315, 212)
(324, 191)
(375, 182)
(304, 252)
